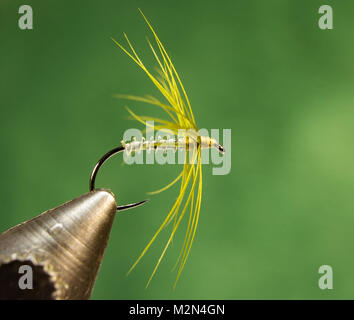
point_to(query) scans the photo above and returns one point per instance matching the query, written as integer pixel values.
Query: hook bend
(96, 168)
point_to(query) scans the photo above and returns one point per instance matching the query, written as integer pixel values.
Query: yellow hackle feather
(180, 113)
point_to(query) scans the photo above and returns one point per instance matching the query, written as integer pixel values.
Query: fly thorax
(206, 142)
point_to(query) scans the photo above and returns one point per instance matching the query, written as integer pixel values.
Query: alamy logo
(26, 20)
(326, 20)
(325, 281)
(167, 147)
(25, 281)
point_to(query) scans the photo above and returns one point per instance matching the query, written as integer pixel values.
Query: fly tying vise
(179, 110)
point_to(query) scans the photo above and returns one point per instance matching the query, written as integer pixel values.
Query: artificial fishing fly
(181, 116)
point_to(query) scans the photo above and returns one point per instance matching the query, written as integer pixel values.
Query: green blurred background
(262, 68)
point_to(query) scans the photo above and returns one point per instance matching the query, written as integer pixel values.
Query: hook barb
(95, 170)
